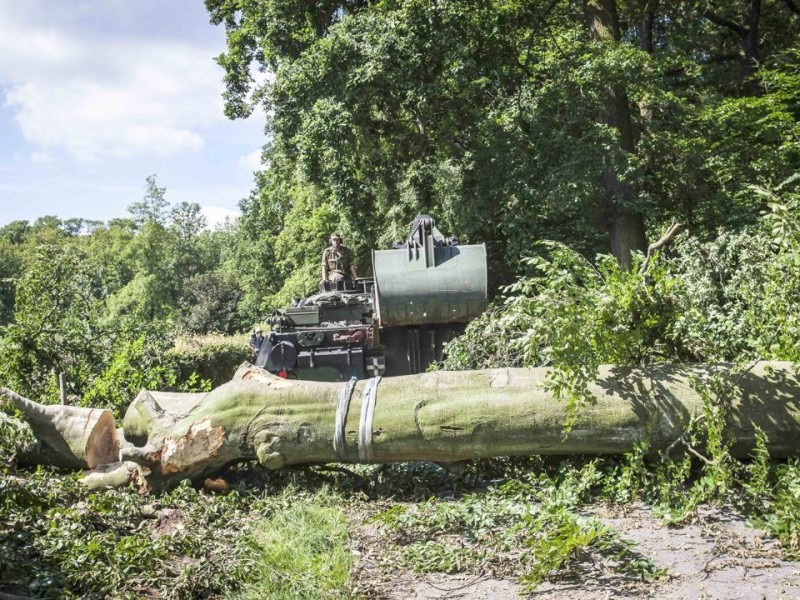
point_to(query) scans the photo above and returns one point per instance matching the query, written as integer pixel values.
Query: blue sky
(95, 95)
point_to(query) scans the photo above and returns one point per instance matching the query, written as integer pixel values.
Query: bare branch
(694, 452)
(665, 239)
(723, 22)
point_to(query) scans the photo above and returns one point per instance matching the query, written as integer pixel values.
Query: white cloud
(44, 158)
(251, 162)
(216, 215)
(96, 97)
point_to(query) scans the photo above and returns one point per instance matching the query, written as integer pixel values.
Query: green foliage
(740, 296)
(300, 551)
(573, 316)
(298, 248)
(733, 298)
(782, 518)
(677, 486)
(140, 363)
(152, 208)
(251, 253)
(211, 304)
(100, 303)
(705, 472)
(213, 358)
(57, 539)
(57, 324)
(13, 438)
(534, 521)
(10, 270)
(494, 117)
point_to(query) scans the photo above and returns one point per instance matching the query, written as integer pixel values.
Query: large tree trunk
(646, 26)
(443, 417)
(625, 225)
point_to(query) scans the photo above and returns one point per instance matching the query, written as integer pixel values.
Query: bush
(734, 298)
(212, 357)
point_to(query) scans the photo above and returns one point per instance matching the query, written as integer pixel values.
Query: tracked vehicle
(422, 294)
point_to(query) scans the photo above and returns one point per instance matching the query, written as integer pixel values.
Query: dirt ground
(718, 556)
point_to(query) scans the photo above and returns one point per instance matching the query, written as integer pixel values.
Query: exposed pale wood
(116, 474)
(68, 436)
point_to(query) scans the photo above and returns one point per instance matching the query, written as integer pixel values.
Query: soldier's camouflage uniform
(338, 262)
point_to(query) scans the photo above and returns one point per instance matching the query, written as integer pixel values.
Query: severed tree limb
(67, 436)
(447, 417)
(116, 474)
(666, 238)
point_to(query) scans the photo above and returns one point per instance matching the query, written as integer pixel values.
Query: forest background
(566, 135)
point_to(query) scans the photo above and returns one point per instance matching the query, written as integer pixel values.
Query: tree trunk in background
(443, 417)
(625, 225)
(748, 32)
(752, 54)
(646, 41)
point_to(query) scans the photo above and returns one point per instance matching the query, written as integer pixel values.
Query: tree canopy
(103, 303)
(590, 122)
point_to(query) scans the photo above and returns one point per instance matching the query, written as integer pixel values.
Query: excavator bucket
(429, 279)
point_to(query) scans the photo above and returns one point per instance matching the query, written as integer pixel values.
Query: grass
(301, 551)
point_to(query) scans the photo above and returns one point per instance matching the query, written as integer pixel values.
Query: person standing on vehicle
(337, 261)
(256, 341)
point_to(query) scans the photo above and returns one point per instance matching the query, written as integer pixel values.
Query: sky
(96, 95)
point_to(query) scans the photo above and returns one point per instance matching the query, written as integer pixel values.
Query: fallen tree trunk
(444, 417)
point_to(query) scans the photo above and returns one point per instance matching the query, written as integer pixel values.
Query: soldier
(337, 262)
(256, 341)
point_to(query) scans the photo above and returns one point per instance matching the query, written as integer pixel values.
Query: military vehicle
(422, 294)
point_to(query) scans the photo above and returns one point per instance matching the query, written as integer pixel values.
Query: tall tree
(585, 121)
(152, 208)
(624, 221)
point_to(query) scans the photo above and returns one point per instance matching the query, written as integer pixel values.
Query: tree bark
(443, 417)
(625, 225)
(752, 47)
(646, 26)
